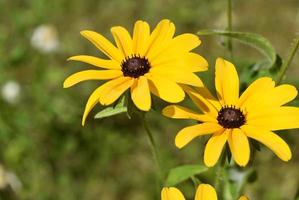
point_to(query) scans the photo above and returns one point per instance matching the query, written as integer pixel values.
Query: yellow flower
(203, 192)
(146, 63)
(255, 114)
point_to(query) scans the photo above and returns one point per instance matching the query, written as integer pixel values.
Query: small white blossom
(11, 91)
(45, 39)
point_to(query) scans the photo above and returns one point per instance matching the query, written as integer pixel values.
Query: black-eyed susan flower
(230, 118)
(146, 63)
(203, 192)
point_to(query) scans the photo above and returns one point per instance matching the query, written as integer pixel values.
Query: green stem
(218, 177)
(154, 150)
(220, 171)
(229, 27)
(288, 62)
(195, 181)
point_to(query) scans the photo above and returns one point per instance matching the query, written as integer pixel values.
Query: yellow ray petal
(272, 97)
(187, 134)
(98, 62)
(195, 62)
(205, 192)
(91, 75)
(91, 102)
(140, 94)
(181, 44)
(187, 61)
(180, 112)
(178, 76)
(165, 89)
(171, 193)
(275, 118)
(239, 146)
(243, 198)
(259, 85)
(202, 102)
(227, 82)
(103, 44)
(123, 40)
(160, 38)
(209, 97)
(269, 139)
(141, 38)
(114, 89)
(214, 147)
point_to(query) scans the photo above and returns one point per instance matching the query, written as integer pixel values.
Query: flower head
(146, 63)
(203, 192)
(233, 119)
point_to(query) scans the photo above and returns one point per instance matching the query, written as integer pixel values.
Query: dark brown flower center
(135, 66)
(231, 117)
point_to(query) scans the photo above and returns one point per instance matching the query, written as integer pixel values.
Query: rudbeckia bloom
(230, 118)
(146, 63)
(203, 192)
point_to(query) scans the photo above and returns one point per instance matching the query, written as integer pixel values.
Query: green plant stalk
(229, 27)
(220, 170)
(195, 181)
(153, 146)
(286, 64)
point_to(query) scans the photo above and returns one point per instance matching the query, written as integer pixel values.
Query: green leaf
(255, 40)
(182, 173)
(112, 110)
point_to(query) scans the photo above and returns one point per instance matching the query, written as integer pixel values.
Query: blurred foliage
(42, 142)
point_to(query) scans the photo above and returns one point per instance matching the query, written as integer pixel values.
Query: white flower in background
(45, 39)
(8, 178)
(237, 176)
(10, 91)
(3, 180)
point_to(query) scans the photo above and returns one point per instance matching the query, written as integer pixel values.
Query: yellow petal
(171, 193)
(178, 76)
(91, 75)
(112, 90)
(141, 38)
(254, 91)
(98, 62)
(103, 44)
(243, 198)
(189, 133)
(275, 118)
(180, 112)
(160, 38)
(165, 89)
(195, 62)
(202, 102)
(123, 40)
(239, 146)
(227, 82)
(190, 62)
(282, 94)
(181, 44)
(214, 147)
(140, 94)
(207, 94)
(205, 192)
(91, 102)
(272, 97)
(269, 139)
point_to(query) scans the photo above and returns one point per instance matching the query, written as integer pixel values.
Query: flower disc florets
(231, 117)
(135, 66)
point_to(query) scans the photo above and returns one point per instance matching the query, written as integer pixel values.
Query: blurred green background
(46, 154)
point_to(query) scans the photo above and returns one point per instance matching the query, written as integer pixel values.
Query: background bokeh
(46, 154)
